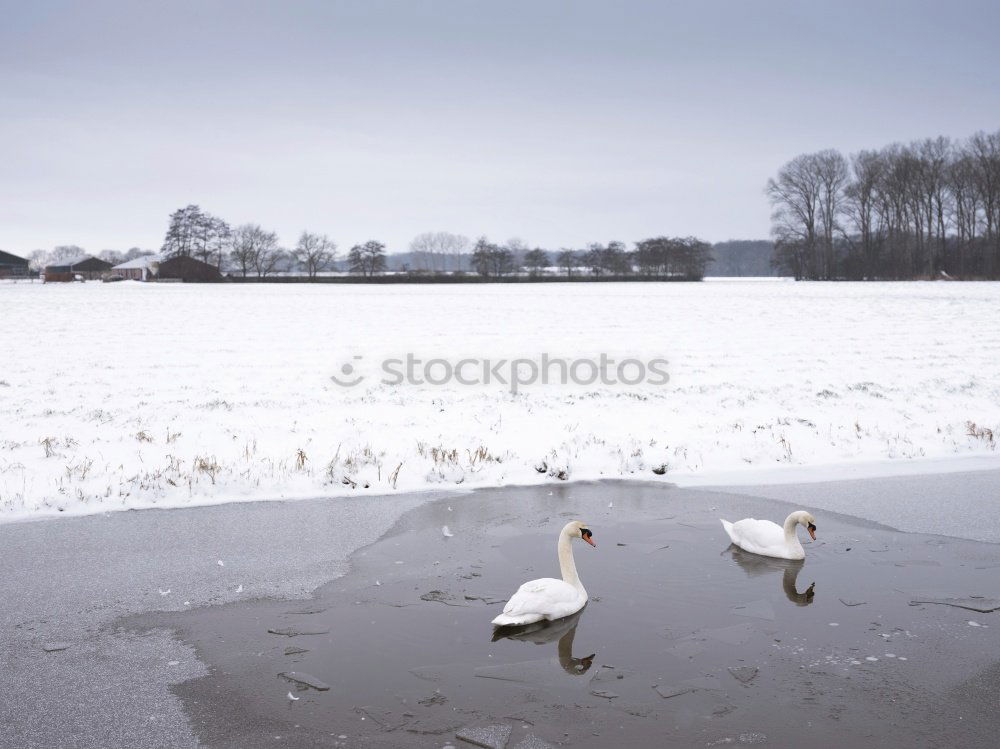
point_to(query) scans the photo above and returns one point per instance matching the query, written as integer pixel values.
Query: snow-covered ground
(127, 395)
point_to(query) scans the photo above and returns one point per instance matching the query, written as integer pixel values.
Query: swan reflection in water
(755, 564)
(540, 633)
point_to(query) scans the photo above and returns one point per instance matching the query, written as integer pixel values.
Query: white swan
(548, 598)
(770, 539)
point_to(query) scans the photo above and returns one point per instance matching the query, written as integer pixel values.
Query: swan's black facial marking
(587, 536)
(812, 531)
(812, 527)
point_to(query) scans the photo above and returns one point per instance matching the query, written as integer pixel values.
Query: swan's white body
(548, 598)
(770, 539)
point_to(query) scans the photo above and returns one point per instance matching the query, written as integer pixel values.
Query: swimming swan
(548, 598)
(770, 539)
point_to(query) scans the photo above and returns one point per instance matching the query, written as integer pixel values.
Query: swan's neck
(566, 564)
(790, 523)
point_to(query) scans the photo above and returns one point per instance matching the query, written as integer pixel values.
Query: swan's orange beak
(812, 531)
(590, 540)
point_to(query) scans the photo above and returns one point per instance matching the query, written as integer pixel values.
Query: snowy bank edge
(751, 476)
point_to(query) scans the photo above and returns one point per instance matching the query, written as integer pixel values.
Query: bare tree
(65, 253)
(183, 231)
(38, 259)
(567, 260)
(481, 256)
(795, 197)
(965, 210)
(270, 259)
(593, 258)
(315, 253)
(491, 260)
(218, 241)
(502, 262)
(832, 172)
(133, 252)
(615, 259)
(192, 232)
(536, 260)
(935, 157)
(253, 248)
(204, 239)
(984, 150)
(367, 259)
(439, 251)
(456, 246)
(516, 248)
(860, 209)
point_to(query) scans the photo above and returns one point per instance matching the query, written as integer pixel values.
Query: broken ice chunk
(488, 737)
(982, 605)
(533, 742)
(296, 631)
(744, 674)
(307, 680)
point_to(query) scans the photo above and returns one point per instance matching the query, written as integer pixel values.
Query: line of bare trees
(658, 257)
(439, 252)
(248, 249)
(920, 210)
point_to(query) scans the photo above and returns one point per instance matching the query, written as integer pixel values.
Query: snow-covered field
(127, 395)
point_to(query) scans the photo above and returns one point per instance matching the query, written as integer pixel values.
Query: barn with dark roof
(89, 268)
(159, 268)
(187, 269)
(12, 266)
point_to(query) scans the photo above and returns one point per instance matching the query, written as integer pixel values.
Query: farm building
(188, 269)
(12, 266)
(88, 267)
(158, 268)
(138, 269)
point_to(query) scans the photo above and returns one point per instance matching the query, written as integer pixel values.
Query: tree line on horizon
(919, 210)
(251, 251)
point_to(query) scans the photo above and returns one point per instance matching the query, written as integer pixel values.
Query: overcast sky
(557, 122)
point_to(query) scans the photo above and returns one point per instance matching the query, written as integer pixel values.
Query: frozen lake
(124, 395)
(686, 641)
(161, 618)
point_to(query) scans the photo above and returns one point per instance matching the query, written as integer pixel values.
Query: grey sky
(558, 122)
